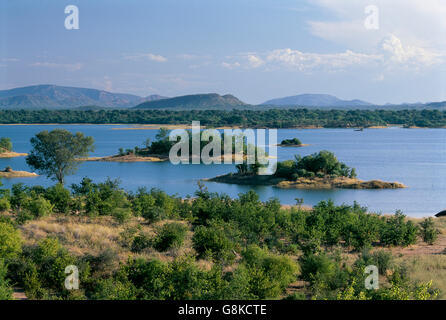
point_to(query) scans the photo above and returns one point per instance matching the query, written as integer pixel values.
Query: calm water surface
(415, 157)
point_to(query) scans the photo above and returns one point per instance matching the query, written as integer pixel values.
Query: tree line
(274, 118)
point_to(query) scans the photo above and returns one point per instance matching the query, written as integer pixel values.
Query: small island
(317, 171)
(158, 150)
(292, 143)
(129, 157)
(8, 173)
(6, 149)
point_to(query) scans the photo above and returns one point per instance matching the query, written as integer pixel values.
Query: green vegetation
(170, 236)
(291, 142)
(320, 165)
(55, 153)
(162, 145)
(275, 118)
(428, 231)
(5, 145)
(208, 247)
(317, 171)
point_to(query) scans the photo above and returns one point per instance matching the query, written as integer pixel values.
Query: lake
(414, 157)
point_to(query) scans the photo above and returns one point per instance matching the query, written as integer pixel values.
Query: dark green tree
(56, 153)
(5, 144)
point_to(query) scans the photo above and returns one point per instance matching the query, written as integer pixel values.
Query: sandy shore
(127, 158)
(17, 174)
(11, 154)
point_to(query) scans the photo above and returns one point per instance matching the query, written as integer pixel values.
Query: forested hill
(195, 101)
(274, 118)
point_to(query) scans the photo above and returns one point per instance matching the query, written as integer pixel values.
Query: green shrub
(149, 277)
(5, 205)
(170, 236)
(285, 169)
(5, 289)
(51, 260)
(23, 216)
(5, 144)
(128, 234)
(397, 232)
(111, 289)
(39, 207)
(141, 242)
(10, 241)
(213, 242)
(268, 274)
(154, 214)
(59, 197)
(143, 204)
(122, 214)
(428, 232)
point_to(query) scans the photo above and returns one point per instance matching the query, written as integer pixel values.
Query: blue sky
(254, 49)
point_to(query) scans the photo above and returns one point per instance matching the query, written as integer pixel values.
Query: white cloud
(67, 66)
(229, 65)
(254, 61)
(307, 61)
(417, 23)
(146, 56)
(389, 55)
(407, 55)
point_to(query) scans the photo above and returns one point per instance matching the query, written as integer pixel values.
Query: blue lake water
(415, 157)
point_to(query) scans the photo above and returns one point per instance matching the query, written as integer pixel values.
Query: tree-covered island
(317, 171)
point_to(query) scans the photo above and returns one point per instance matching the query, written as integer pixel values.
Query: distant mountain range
(316, 100)
(196, 101)
(58, 97)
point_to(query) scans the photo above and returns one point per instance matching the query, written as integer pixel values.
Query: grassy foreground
(149, 245)
(84, 236)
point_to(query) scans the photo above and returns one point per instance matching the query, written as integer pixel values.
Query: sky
(392, 52)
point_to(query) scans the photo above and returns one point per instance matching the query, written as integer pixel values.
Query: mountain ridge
(54, 97)
(195, 101)
(316, 100)
(50, 96)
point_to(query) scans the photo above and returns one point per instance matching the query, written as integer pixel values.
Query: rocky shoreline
(306, 183)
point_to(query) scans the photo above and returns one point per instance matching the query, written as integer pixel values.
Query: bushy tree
(59, 197)
(170, 236)
(5, 144)
(397, 231)
(5, 288)
(10, 241)
(428, 231)
(268, 274)
(56, 153)
(217, 241)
